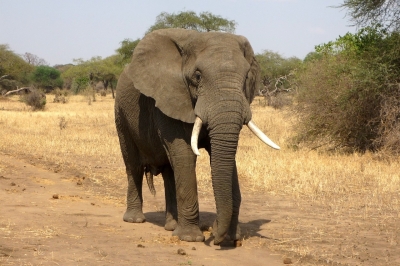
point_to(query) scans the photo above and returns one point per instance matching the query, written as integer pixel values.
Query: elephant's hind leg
(171, 212)
(134, 171)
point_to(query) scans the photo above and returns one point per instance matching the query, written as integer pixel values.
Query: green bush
(349, 95)
(79, 84)
(47, 77)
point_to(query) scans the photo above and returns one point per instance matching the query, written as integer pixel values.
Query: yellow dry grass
(75, 134)
(83, 136)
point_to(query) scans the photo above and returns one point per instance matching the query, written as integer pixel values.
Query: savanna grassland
(323, 208)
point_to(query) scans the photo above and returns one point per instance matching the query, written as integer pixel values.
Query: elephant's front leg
(184, 166)
(171, 212)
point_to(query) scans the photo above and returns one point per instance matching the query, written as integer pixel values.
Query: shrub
(61, 96)
(280, 100)
(103, 93)
(349, 97)
(36, 99)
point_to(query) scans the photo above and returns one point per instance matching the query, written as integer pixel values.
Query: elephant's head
(210, 78)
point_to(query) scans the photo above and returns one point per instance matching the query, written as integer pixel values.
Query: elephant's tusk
(261, 135)
(195, 135)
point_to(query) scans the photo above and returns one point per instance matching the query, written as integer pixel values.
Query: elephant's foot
(170, 224)
(233, 234)
(189, 233)
(132, 216)
(218, 238)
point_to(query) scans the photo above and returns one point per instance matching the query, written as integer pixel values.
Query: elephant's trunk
(224, 128)
(222, 161)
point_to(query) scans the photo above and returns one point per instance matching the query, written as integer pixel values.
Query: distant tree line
(29, 69)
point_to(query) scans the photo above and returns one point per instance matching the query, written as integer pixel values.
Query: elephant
(184, 90)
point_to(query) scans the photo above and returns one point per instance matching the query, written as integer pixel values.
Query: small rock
(13, 184)
(140, 246)
(287, 261)
(181, 251)
(79, 183)
(55, 196)
(93, 203)
(193, 248)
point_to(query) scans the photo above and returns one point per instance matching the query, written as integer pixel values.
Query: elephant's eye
(197, 76)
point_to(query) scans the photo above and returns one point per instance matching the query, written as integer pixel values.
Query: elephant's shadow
(249, 229)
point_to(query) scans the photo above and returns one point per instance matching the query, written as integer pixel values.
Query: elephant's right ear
(156, 71)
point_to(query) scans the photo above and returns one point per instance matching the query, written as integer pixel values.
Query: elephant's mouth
(251, 125)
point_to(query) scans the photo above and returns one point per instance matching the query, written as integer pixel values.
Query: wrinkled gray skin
(176, 75)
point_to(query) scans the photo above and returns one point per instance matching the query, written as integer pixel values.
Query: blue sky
(62, 30)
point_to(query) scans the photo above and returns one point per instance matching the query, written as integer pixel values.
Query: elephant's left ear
(252, 84)
(156, 71)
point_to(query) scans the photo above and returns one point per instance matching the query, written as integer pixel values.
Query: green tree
(85, 73)
(371, 12)
(273, 65)
(47, 77)
(126, 50)
(312, 56)
(277, 76)
(14, 71)
(203, 22)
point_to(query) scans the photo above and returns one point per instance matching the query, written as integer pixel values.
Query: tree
(47, 77)
(34, 60)
(370, 12)
(203, 22)
(86, 73)
(312, 56)
(273, 65)
(126, 50)
(14, 71)
(277, 76)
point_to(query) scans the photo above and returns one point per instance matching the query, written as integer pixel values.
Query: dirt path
(49, 218)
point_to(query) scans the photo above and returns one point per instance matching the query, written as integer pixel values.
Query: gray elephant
(186, 90)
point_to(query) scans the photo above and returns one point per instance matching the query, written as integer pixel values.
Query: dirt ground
(50, 216)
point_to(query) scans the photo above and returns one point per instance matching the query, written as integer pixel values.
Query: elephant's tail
(150, 183)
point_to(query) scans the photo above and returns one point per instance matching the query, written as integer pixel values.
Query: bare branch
(25, 89)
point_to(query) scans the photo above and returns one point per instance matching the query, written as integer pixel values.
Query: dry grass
(83, 136)
(362, 187)
(74, 135)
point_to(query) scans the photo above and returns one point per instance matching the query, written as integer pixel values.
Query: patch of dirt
(50, 218)
(58, 216)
